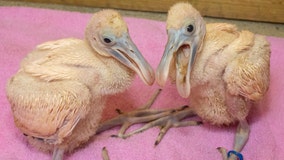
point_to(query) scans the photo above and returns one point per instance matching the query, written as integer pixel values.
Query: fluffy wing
(49, 95)
(248, 73)
(47, 110)
(59, 60)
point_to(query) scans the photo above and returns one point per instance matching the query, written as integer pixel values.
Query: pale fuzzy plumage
(59, 92)
(231, 71)
(231, 68)
(222, 70)
(114, 22)
(184, 11)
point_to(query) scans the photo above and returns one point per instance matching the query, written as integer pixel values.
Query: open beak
(182, 48)
(127, 53)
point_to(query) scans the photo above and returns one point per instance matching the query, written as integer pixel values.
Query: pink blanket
(21, 29)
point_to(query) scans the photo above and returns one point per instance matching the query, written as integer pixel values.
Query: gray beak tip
(151, 78)
(161, 78)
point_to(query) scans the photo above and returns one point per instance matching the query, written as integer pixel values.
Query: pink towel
(21, 29)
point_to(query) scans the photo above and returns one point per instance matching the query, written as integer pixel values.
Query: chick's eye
(190, 28)
(107, 40)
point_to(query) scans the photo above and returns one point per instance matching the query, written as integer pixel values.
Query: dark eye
(107, 40)
(190, 28)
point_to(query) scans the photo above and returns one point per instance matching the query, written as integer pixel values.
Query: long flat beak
(182, 48)
(127, 53)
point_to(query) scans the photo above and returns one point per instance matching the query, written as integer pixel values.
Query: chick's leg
(172, 118)
(166, 119)
(127, 119)
(241, 138)
(58, 154)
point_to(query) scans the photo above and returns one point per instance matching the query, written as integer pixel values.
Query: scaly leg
(171, 118)
(167, 119)
(241, 139)
(128, 119)
(58, 154)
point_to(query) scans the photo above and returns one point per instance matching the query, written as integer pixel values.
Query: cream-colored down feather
(59, 93)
